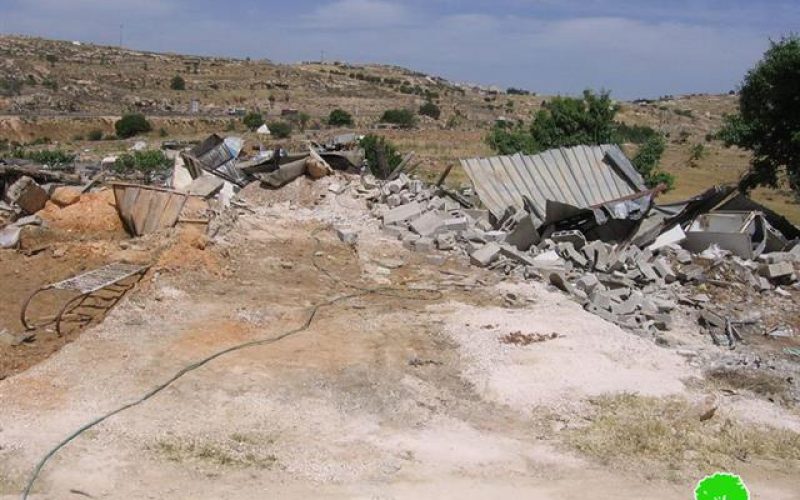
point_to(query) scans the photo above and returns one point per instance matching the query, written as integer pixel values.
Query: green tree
(562, 122)
(132, 124)
(281, 130)
(404, 118)
(177, 83)
(253, 120)
(768, 121)
(381, 155)
(430, 109)
(340, 118)
(647, 161)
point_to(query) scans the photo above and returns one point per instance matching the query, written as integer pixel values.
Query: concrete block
(514, 254)
(395, 231)
(575, 237)
(409, 240)
(347, 234)
(485, 255)
(429, 224)
(647, 271)
(393, 200)
(403, 213)
(660, 321)
(496, 236)
(567, 250)
(524, 234)
(776, 257)
(446, 241)
(777, 270)
(683, 256)
(587, 283)
(691, 272)
(627, 307)
(601, 300)
(456, 224)
(664, 270)
(423, 244)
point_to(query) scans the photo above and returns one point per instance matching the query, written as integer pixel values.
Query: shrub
(253, 120)
(95, 135)
(636, 134)
(340, 118)
(402, 117)
(281, 130)
(46, 157)
(10, 86)
(381, 155)
(131, 124)
(647, 161)
(162, 132)
(149, 163)
(177, 83)
(430, 109)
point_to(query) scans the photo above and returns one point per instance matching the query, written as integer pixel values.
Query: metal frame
(108, 277)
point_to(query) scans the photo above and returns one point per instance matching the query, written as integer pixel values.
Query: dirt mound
(92, 213)
(189, 252)
(303, 192)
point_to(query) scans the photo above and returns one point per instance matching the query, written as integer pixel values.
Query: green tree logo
(721, 486)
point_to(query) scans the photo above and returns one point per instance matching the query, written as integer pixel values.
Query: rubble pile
(635, 287)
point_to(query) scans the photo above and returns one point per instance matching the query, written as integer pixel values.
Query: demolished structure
(583, 220)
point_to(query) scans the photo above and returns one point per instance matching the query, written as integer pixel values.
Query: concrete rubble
(638, 288)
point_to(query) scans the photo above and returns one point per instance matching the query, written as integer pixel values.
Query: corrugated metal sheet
(582, 176)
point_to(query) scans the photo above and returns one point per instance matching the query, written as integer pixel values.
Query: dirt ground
(410, 386)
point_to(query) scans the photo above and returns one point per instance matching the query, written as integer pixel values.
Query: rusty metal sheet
(582, 176)
(146, 209)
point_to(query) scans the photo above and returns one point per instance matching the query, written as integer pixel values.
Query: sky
(634, 48)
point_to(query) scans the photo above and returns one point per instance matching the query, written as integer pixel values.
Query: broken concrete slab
(403, 213)
(777, 270)
(429, 224)
(205, 186)
(485, 255)
(524, 234)
(512, 253)
(575, 237)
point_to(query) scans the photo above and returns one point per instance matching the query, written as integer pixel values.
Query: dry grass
(665, 438)
(760, 383)
(236, 451)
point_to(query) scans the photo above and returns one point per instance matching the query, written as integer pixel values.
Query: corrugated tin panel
(582, 176)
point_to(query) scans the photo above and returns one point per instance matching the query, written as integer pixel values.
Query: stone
(429, 224)
(394, 186)
(661, 321)
(403, 213)
(64, 196)
(559, 281)
(574, 236)
(347, 234)
(394, 200)
(369, 181)
(485, 255)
